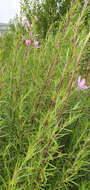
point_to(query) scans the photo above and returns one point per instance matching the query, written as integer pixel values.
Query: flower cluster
(28, 42)
(36, 44)
(28, 24)
(81, 83)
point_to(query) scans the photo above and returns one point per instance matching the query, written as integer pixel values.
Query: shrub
(49, 13)
(44, 109)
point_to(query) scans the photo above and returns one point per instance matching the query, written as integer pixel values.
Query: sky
(8, 10)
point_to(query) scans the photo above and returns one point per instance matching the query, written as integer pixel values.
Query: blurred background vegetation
(49, 13)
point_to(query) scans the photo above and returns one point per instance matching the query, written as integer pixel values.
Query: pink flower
(28, 24)
(81, 83)
(28, 42)
(36, 44)
(35, 17)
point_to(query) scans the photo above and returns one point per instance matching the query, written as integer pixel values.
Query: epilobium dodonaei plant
(31, 35)
(44, 120)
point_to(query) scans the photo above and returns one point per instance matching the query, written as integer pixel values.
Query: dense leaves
(49, 13)
(45, 106)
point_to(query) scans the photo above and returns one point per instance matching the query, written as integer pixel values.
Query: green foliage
(44, 118)
(49, 13)
(6, 44)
